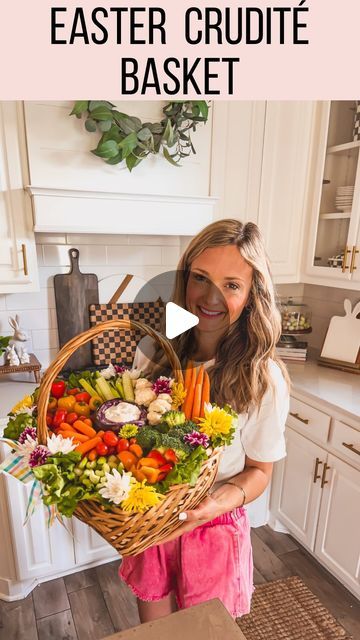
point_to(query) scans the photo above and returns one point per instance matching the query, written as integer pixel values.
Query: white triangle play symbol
(178, 320)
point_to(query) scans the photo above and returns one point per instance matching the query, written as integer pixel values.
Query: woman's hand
(207, 510)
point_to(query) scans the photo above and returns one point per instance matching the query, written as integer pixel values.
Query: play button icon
(178, 320)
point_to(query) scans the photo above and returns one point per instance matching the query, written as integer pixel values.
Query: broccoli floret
(174, 418)
(175, 442)
(148, 438)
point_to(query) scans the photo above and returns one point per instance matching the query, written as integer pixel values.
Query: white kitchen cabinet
(331, 253)
(298, 495)
(89, 547)
(338, 540)
(316, 491)
(18, 260)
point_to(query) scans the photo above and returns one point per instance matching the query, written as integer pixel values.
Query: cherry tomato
(112, 451)
(133, 441)
(73, 392)
(71, 417)
(110, 438)
(102, 449)
(122, 445)
(49, 419)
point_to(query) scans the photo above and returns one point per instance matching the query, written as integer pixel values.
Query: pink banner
(259, 49)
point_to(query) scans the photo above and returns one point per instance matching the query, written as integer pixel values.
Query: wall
(143, 256)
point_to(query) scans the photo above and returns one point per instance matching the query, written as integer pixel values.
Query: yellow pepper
(95, 402)
(82, 409)
(66, 402)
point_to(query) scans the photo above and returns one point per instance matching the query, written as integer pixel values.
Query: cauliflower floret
(142, 383)
(165, 396)
(153, 417)
(144, 396)
(159, 406)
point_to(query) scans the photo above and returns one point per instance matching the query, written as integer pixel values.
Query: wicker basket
(130, 534)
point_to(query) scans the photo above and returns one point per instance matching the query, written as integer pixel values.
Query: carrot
(195, 412)
(92, 455)
(79, 425)
(64, 426)
(187, 407)
(78, 437)
(205, 395)
(84, 447)
(100, 433)
(188, 372)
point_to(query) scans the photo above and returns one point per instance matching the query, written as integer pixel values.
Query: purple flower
(196, 439)
(38, 456)
(162, 385)
(28, 431)
(120, 368)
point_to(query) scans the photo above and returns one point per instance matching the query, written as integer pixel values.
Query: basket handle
(68, 349)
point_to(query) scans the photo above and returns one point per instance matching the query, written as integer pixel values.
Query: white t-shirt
(259, 433)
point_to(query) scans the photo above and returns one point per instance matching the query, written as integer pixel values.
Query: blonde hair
(240, 374)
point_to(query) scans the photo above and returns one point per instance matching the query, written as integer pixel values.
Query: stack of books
(293, 352)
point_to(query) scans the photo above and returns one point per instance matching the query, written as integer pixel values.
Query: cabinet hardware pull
(323, 480)
(353, 258)
(344, 266)
(296, 415)
(316, 475)
(351, 447)
(23, 249)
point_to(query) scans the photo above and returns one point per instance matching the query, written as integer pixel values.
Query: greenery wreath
(126, 139)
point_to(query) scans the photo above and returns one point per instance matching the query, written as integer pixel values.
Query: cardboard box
(207, 621)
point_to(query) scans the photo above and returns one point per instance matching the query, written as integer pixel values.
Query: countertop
(338, 389)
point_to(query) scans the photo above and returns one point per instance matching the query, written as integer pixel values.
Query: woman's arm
(253, 479)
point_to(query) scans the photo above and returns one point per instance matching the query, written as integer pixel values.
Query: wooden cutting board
(342, 341)
(74, 292)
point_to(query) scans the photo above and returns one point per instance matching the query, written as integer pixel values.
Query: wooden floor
(94, 603)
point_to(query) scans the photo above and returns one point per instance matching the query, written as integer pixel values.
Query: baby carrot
(64, 426)
(79, 425)
(92, 455)
(205, 395)
(78, 437)
(187, 408)
(87, 446)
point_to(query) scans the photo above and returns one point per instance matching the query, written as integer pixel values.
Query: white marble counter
(338, 389)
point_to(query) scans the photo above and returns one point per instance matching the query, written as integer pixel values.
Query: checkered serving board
(120, 346)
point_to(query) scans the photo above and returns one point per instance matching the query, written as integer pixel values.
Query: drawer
(346, 441)
(311, 422)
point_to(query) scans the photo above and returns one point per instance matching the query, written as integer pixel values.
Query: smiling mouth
(210, 313)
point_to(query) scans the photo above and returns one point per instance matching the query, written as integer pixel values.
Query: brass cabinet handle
(353, 257)
(317, 465)
(296, 415)
(23, 249)
(351, 447)
(323, 479)
(344, 266)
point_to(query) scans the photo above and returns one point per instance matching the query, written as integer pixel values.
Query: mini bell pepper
(58, 388)
(66, 402)
(82, 409)
(95, 402)
(52, 404)
(83, 396)
(73, 392)
(59, 417)
(156, 455)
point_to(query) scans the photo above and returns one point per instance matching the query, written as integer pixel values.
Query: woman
(223, 277)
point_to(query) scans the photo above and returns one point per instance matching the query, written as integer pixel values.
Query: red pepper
(84, 396)
(73, 392)
(170, 456)
(49, 419)
(58, 388)
(164, 470)
(156, 455)
(59, 417)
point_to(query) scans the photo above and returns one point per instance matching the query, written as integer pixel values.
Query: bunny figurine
(18, 339)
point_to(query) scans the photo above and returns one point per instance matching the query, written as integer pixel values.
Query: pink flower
(197, 439)
(162, 385)
(38, 456)
(28, 431)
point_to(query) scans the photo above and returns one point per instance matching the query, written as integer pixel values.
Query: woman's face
(218, 287)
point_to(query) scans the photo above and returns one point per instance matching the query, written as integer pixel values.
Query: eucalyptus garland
(126, 139)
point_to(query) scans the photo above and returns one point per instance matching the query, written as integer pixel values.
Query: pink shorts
(212, 561)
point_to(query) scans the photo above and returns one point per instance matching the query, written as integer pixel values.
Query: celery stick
(88, 387)
(128, 387)
(99, 392)
(105, 388)
(119, 387)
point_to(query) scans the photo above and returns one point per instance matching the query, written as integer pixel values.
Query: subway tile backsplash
(105, 255)
(144, 256)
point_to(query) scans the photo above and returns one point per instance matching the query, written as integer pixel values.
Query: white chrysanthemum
(208, 407)
(28, 410)
(117, 486)
(58, 444)
(135, 374)
(109, 372)
(26, 448)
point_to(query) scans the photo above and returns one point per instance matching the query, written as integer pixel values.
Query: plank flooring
(92, 604)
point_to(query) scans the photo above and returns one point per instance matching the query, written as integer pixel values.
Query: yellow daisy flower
(141, 498)
(178, 394)
(217, 422)
(25, 403)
